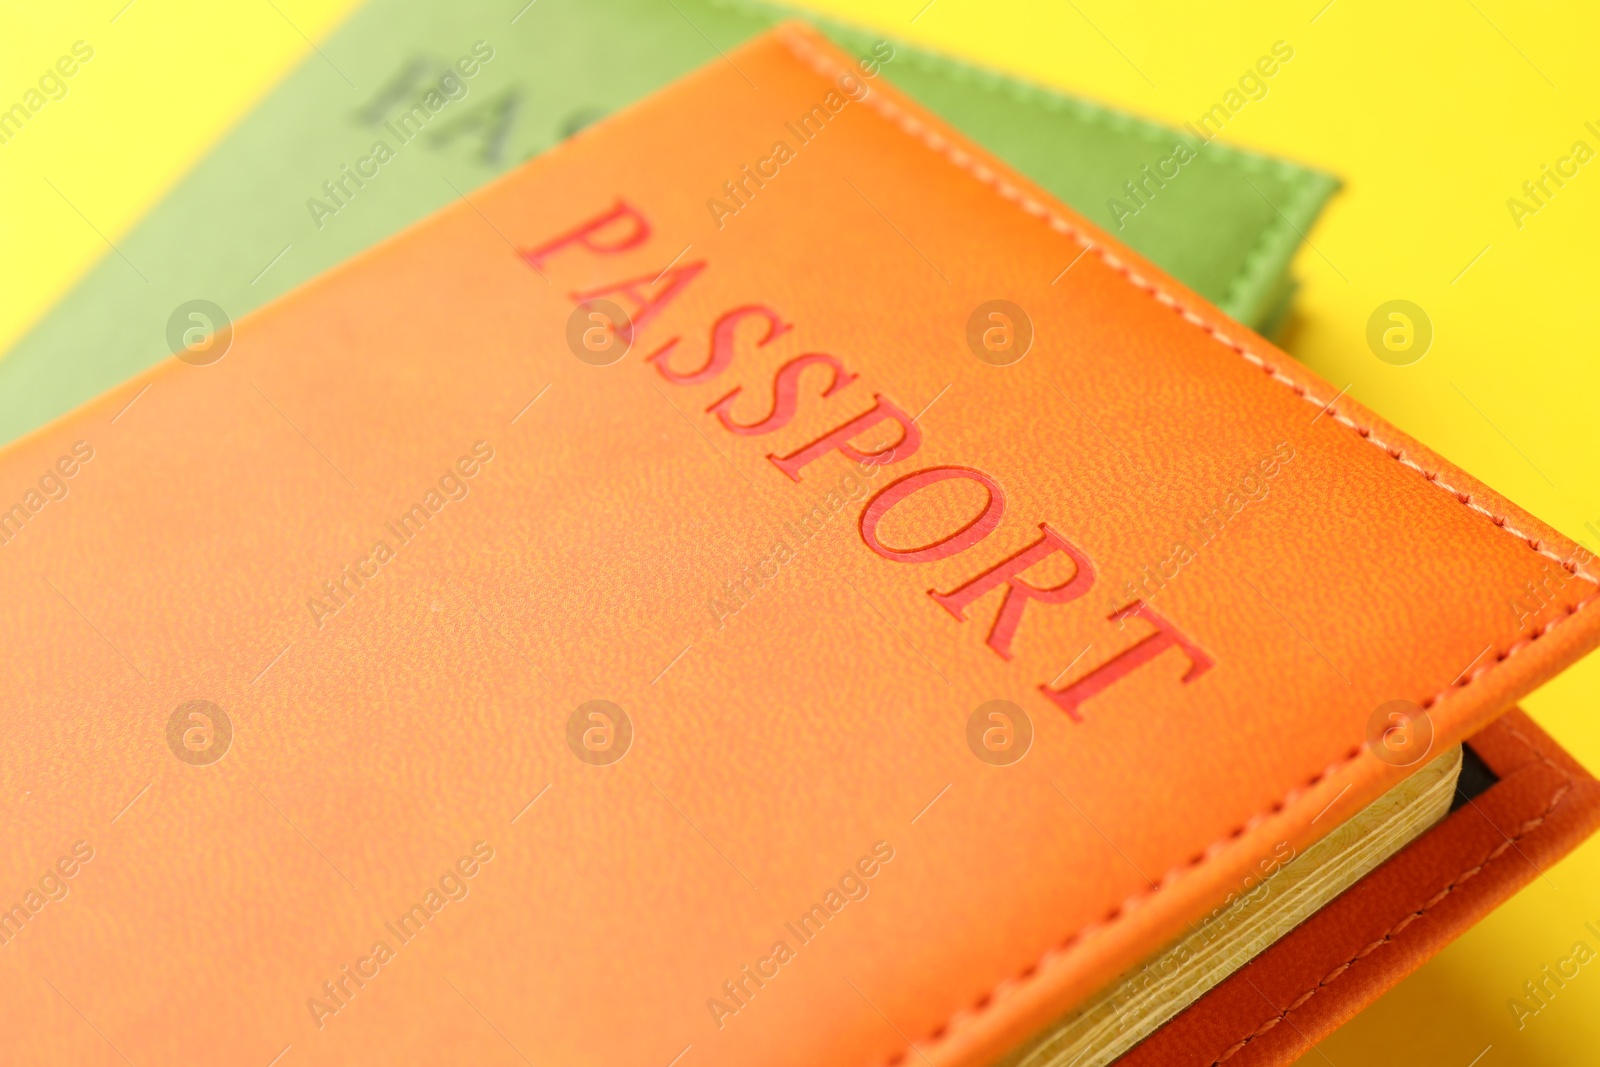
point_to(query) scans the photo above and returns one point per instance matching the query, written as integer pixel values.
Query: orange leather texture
(574, 529)
(1396, 918)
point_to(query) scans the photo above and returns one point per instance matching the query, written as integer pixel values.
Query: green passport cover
(244, 226)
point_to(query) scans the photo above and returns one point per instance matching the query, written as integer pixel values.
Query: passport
(761, 582)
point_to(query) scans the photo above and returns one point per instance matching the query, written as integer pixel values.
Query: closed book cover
(1539, 806)
(760, 583)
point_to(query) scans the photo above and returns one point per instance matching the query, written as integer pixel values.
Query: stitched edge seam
(1134, 900)
(1248, 286)
(1455, 883)
(1244, 292)
(804, 50)
(1253, 280)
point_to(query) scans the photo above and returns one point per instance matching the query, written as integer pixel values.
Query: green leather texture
(242, 228)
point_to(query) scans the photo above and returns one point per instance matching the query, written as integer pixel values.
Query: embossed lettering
(722, 338)
(1018, 592)
(649, 296)
(959, 541)
(785, 394)
(839, 439)
(1166, 636)
(592, 235)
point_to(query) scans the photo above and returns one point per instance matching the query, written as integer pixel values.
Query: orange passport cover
(303, 644)
(1271, 1011)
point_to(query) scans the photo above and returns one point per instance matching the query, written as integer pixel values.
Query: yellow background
(1433, 114)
